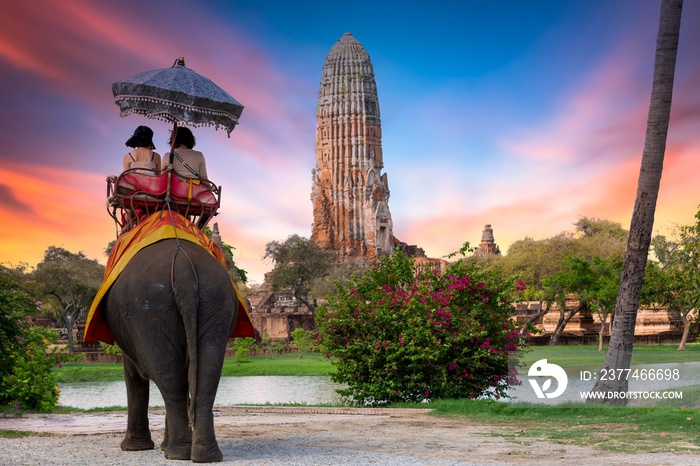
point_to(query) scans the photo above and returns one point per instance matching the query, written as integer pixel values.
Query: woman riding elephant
(171, 307)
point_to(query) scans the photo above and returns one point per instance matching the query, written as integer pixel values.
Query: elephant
(171, 311)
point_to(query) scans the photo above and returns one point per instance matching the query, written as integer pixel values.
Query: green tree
(604, 292)
(619, 355)
(27, 355)
(110, 246)
(678, 283)
(576, 281)
(339, 272)
(298, 263)
(396, 335)
(242, 347)
(30, 384)
(302, 341)
(269, 345)
(112, 350)
(71, 281)
(549, 272)
(16, 302)
(534, 260)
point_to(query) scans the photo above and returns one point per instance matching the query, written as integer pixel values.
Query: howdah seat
(137, 193)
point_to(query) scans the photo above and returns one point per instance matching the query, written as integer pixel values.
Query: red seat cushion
(200, 193)
(134, 182)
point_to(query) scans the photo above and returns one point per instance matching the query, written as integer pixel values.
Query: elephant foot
(177, 452)
(206, 454)
(137, 443)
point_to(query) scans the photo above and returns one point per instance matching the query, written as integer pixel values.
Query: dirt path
(276, 436)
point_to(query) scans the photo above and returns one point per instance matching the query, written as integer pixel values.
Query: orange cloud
(44, 206)
(249, 248)
(52, 207)
(608, 195)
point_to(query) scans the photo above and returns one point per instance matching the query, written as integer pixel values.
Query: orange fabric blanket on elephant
(158, 226)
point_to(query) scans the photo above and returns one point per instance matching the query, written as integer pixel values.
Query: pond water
(688, 375)
(317, 390)
(232, 391)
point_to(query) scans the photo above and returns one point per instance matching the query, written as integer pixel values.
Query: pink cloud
(601, 120)
(81, 47)
(608, 194)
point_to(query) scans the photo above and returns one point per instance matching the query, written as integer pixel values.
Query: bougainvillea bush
(31, 384)
(399, 335)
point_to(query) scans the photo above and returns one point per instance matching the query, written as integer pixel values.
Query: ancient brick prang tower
(488, 246)
(349, 193)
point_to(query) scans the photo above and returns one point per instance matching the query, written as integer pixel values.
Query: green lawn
(588, 356)
(280, 364)
(285, 364)
(89, 372)
(624, 429)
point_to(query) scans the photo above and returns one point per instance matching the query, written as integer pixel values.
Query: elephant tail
(187, 301)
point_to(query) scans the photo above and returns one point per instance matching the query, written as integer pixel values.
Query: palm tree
(619, 353)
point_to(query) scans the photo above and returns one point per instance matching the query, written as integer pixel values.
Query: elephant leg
(205, 449)
(138, 434)
(177, 444)
(166, 437)
(164, 443)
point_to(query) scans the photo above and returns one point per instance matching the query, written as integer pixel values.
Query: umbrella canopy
(177, 95)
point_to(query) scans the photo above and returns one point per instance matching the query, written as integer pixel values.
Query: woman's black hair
(184, 137)
(142, 137)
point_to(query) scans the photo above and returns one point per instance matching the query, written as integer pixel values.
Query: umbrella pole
(172, 142)
(172, 156)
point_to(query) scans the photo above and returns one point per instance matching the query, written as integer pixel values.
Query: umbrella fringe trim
(163, 115)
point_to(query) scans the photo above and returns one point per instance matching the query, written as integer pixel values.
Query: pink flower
(452, 367)
(520, 286)
(377, 346)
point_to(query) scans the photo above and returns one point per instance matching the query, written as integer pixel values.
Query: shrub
(269, 345)
(31, 385)
(15, 304)
(112, 350)
(302, 341)
(398, 335)
(241, 348)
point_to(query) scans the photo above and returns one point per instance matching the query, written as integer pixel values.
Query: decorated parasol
(182, 97)
(177, 95)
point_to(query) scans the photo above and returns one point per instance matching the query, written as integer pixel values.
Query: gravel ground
(304, 436)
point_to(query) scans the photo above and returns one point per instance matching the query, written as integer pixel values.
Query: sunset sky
(523, 114)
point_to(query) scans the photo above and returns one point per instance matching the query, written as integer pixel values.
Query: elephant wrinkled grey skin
(171, 311)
